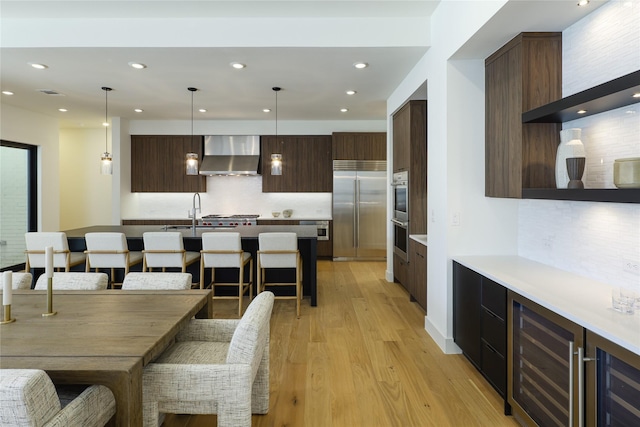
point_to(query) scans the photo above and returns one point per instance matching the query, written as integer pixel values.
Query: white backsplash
(228, 195)
(597, 240)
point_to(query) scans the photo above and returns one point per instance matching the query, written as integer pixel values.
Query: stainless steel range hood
(231, 155)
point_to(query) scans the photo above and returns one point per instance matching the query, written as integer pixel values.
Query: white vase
(570, 146)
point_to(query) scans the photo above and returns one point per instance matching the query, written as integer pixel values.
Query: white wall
(597, 240)
(84, 193)
(455, 133)
(19, 125)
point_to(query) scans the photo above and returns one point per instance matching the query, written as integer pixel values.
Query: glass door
(542, 365)
(613, 384)
(18, 207)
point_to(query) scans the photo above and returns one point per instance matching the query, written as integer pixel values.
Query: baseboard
(389, 276)
(447, 345)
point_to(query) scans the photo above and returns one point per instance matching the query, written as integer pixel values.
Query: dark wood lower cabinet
(401, 271)
(479, 325)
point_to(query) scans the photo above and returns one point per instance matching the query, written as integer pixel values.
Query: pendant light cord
(106, 117)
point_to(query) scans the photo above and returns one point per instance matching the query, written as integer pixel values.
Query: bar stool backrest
(116, 243)
(39, 240)
(170, 241)
(221, 241)
(268, 242)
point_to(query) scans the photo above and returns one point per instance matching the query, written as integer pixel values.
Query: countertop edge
(420, 238)
(580, 299)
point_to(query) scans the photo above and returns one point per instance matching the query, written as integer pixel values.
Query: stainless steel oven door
(401, 238)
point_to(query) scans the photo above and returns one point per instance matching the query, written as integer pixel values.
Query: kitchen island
(307, 244)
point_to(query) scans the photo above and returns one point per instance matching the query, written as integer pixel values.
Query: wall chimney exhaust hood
(231, 155)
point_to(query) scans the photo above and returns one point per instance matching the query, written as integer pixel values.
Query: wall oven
(400, 187)
(400, 218)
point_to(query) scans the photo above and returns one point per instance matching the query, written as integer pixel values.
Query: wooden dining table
(98, 337)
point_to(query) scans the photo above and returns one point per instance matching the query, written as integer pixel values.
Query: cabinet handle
(491, 313)
(571, 383)
(490, 347)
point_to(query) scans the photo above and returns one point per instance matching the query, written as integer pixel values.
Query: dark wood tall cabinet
(306, 163)
(524, 74)
(158, 164)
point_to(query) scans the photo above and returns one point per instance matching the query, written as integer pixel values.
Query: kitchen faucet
(193, 210)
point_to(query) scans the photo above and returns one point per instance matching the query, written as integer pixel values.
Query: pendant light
(192, 158)
(276, 158)
(106, 161)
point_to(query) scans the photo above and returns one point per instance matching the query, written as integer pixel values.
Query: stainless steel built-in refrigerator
(359, 209)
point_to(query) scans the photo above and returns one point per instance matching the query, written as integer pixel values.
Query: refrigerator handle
(357, 213)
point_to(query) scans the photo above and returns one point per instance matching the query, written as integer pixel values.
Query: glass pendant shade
(276, 164)
(276, 159)
(106, 161)
(106, 164)
(192, 164)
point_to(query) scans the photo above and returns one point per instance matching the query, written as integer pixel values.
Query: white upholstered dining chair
(216, 366)
(148, 281)
(224, 250)
(18, 280)
(280, 250)
(28, 398)
(109, 251)
(63, 258)
(165, 249)
(74, 281)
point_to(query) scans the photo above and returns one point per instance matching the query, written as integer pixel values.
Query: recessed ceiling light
(361, 65)
(583, 2)
(635, 95)
(7, 92)
(137, 65)
(582, 111)
(237, 65)
(344, 110)
(138, 110)
(351, 92)
(62, 110)
(38, 66)
(267, 110)
(203, 110)
(105, 124)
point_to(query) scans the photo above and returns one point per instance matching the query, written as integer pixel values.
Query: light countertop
(420, 238)
(294, 218)
(584, 301)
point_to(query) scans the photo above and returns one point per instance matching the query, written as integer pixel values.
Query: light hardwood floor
(363, 358)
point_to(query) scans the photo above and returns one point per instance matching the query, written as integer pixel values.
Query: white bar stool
(109, 250)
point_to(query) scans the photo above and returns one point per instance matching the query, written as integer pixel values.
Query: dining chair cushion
(18, 280)
(75, 281)
(277, 242)
(115, 242)
(39, 240)
(170, 241)
(29, 398)
(144, 281)
(223, 241)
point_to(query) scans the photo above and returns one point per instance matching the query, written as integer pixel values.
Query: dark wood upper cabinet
(306, 163)
(522, 75)
(158, 164)
(359, 146)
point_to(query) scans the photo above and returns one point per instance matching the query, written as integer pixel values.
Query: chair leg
(250, 280)
(240, 288)
(202, 274)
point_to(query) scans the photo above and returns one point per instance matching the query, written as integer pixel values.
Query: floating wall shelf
(629, 195)
(614, 94)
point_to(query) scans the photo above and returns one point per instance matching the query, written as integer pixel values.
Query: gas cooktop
(228, 220)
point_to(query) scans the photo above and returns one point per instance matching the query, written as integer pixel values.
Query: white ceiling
(312, 65)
